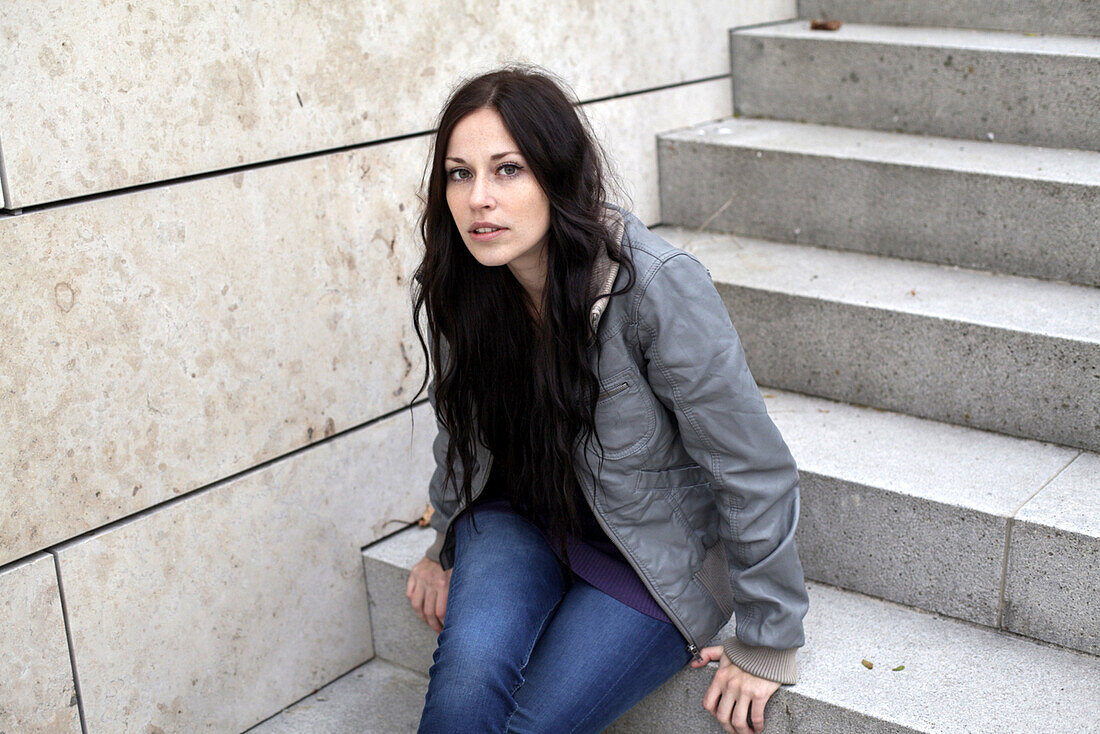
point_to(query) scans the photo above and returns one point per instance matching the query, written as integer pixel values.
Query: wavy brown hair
(522, 387)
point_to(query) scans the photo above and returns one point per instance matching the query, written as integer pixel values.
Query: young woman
(609, 488)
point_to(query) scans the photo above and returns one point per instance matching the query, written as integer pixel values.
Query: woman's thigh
(596, 659)
(505, 585)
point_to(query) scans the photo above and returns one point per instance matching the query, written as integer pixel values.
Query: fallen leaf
(824, 25)
(868, 664)
(900, 667)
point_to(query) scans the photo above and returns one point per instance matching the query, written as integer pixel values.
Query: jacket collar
(604, 269)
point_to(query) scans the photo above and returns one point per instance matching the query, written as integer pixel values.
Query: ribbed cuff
(763, 662)
(432, 554)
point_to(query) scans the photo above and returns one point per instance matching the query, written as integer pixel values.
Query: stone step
(978, 85)
(1014, 355)
(1008, 208)
(944, 686)
(1076, 17)
(926, 513)
(934, 508)
(956, 678)
(378, 697)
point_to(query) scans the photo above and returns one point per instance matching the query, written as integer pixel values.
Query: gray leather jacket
(697, 487)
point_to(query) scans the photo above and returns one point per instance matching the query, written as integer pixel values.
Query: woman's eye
(458, 174)
(509, 169)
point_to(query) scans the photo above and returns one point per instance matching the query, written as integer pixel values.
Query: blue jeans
(521, 650)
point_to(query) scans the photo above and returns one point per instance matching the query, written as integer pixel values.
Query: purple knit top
(592, 555)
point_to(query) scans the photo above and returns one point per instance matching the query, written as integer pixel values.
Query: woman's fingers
(756, 714)
(416, 599)
(736, 698)
(740, 717)
(706, 655)
(726, 708)
(441, 606)
(429, 614)
(714, 693)
(426, 591)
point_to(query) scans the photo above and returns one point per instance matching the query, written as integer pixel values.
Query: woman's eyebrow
(495, 156)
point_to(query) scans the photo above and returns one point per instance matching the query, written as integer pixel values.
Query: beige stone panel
(158, 341)
(219, 609)
(628, 126)
(36, 679)
(104, 95)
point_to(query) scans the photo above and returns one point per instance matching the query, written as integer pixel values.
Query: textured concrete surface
(399, 635)
(1054, 561)
(907, 509)
(1080, 17)
(628, 127)
(978, 85)
(1006, 208)
(966, 347)
(110, 96)
(945, 685)
(36, 678)
(216, 611)
(159, 341)
(375, 698)
(957, 678)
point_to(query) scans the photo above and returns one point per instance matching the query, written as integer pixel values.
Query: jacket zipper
(691, 646)
(613, 391)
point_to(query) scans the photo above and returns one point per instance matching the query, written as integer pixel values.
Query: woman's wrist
(769, 663)
(433, 551)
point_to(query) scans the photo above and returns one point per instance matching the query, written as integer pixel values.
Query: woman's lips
(486, 236)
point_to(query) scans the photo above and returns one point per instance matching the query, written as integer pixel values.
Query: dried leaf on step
(868, 664)
(824, 25)
(900, 667)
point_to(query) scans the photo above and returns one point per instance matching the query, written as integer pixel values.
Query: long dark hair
(522, 387)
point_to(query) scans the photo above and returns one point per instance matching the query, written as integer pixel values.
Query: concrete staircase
(915, 282)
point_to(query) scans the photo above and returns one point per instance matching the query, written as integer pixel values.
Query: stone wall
(206, 346)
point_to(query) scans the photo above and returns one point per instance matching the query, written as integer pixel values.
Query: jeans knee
(467, 658)
(469, 691)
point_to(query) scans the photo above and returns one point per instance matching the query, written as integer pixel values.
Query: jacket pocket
(669, 487)
(613, 390)
(676, 477)
(714, 576)
(625, 418)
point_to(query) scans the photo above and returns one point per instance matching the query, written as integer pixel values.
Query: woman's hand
(732, 690)
(427, 591)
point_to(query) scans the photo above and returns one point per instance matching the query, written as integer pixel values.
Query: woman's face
(497, 204)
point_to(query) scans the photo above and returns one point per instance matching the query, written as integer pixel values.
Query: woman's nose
(480, 194)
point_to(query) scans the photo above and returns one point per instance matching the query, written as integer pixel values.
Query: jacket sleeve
(444, 500)
(696, 367)
(435, 485)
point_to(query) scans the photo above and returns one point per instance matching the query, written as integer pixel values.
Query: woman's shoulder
(645, 247)
(650, 253)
